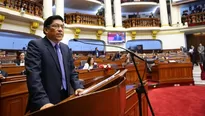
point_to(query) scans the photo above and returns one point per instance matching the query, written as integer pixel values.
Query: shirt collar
(53, 43)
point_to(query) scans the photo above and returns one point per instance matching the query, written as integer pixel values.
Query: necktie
(60, 59)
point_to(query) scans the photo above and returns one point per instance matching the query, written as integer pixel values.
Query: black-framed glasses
(56, 26)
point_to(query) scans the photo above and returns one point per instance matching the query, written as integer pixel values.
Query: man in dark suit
(96, 52)
(49, 67)
(117, 37)
(183, 49)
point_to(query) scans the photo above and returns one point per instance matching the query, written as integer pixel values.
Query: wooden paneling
(172, 73)
(195, 40)
(13, 96)
(132, 104)
(85, 74)
(13, 70)
(132, 76)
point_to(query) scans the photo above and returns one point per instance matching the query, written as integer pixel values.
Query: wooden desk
(132, 103)
(85, 74)
(91, 77)
(172, 73)
(13, 70)
(13, 96)
(131, 74)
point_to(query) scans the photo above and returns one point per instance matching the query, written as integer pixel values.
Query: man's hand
(78, 91)
(46, 106)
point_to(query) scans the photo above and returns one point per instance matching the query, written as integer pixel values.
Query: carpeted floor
(178, 101)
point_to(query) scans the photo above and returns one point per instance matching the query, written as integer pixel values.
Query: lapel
(64, 55)
(52, 52)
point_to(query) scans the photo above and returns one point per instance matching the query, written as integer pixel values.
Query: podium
(106, 98)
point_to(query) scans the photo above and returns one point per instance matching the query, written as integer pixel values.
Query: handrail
(26, 6)
(86, 19)
(141, 22)
(194, 19)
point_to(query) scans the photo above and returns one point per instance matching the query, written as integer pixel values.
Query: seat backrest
(82, 62)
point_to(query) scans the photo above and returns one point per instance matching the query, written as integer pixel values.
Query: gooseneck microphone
(129, 51)
(140, 89)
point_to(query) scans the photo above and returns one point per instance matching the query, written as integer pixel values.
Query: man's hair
(50, 20)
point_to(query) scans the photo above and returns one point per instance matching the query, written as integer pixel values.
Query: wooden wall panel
(14, 95)
(172, 73)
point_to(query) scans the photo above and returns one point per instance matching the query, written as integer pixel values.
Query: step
(199, 82)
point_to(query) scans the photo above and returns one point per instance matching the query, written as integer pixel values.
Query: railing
(86, 19)
(194, 19)
(141, 22)
(27, 6)
(123, 1)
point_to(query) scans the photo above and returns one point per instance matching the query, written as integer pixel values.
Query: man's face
(55, 31)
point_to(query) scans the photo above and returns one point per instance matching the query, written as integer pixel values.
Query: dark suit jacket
(96, 53)
(17, 61)
(5, 74)
(44, 73)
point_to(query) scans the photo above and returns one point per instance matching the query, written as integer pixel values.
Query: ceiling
(82, 5)
(94, 5)
(139, 8)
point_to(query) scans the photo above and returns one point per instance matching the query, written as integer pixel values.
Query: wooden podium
(106, 98)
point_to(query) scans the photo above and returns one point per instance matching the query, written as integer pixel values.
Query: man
(201, 52)
(193, 53)
(50, 68)
(117, 37)
(2, 73)
(183, 49)
(96, 52)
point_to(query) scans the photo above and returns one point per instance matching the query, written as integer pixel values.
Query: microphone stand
(141, 89)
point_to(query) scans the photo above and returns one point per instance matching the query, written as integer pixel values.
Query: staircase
(197, 76)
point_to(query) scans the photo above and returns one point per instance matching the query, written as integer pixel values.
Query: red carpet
(178, 101)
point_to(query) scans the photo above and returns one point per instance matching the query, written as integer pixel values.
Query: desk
(131, 74)
(172, 73)
(13, 96)
(13, 70)
(132, 103)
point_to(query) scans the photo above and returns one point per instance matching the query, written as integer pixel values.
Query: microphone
(127, 50)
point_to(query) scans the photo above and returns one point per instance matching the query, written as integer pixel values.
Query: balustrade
(27, 6)
(141, 22)
(194, 19)
(78, 18)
